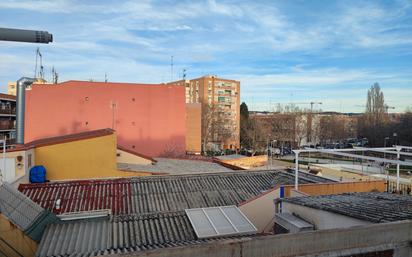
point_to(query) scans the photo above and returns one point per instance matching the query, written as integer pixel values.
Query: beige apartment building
(12, 89)
(219, 100)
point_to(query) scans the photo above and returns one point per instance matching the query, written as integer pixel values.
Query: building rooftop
(121, 234)
(176, 166)
(23, 212)
(131, 151)
(64, 139)
(230, 157)
(97, 83)
(372, 207)
(7, 97)
(159, 193)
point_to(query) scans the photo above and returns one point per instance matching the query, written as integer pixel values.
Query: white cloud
(133, 41)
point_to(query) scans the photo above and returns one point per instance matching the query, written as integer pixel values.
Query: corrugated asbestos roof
(23, 212)
(17, 207)
(373, 207)
(122, 234)
(160, 193)
(148, 211)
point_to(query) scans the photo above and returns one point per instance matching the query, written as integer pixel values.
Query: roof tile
(160, 193)
(373, 207)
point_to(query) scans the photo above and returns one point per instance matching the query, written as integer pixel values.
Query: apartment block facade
(8, 118)
(220, 114)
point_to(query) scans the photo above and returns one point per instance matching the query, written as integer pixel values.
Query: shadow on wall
(174, 146)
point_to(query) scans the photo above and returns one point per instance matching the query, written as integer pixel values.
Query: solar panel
(219, 221)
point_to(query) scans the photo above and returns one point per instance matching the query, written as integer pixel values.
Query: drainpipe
(21, 106)
(296, 171)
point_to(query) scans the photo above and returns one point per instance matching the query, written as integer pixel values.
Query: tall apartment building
(11, 88)
(8, 118)
(220, 110)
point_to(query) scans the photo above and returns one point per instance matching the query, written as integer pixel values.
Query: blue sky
(281, 51)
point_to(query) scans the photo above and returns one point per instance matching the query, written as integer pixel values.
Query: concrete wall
(260, 211)
(322, 219)
(335, 242)
(125, 157)
(22, 167)
(82, 159)
(338, 188)
(13, 242)
(333, 171)
(248, 162)
(193, 128)
(149, 119)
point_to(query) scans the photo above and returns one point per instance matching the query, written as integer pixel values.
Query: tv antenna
(55, 76)
(39, 60)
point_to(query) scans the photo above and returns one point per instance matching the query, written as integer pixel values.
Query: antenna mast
(39, 58)
(55, 76)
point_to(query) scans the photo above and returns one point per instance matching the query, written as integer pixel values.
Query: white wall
(9, 175)
(261, 210)
(322, 219)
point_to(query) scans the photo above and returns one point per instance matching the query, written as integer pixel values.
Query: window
(221, 99)
(278, 229)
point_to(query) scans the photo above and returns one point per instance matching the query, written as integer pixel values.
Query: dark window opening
(278, 229)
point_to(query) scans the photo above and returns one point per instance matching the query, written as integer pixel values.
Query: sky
(281, 51)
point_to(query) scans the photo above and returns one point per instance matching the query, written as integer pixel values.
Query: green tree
(244, 125)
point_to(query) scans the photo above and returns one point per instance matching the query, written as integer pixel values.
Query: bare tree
(255, 137)
(208, 113)
(373, 124)
(375, 112)
(216, 127)
(289, 124)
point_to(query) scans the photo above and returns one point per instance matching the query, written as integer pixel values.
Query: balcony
(10, 111)
(11, 141)
(7, 125)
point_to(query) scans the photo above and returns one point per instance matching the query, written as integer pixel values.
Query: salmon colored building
(148, 118)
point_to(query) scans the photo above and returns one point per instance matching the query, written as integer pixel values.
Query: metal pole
(4, 161)
(296, 170)
(397, 170)
(267, 153)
